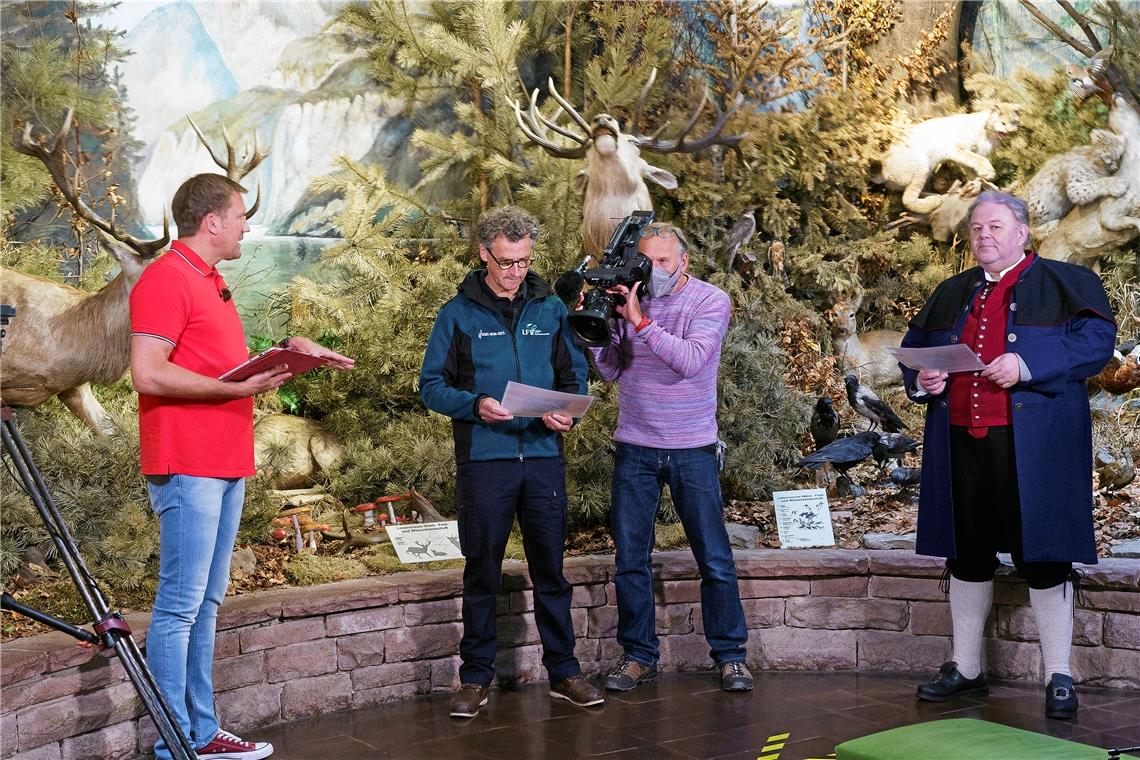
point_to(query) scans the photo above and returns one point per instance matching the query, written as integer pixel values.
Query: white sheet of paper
(426, 542)
(956, 358)
(803, 518)
(528, 401)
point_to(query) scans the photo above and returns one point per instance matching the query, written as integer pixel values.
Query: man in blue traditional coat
(1007, 454)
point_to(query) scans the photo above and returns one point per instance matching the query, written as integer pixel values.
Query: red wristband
(645, 322)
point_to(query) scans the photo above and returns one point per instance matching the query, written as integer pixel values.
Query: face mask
(661, 283)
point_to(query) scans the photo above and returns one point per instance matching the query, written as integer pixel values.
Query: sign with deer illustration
(426, 542)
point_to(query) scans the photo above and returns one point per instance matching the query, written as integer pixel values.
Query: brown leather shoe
(734, 676)
(630, 674)
(466, 702)
(577, 691)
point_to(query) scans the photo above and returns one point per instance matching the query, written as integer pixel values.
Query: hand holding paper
(527, 401)
(956, 358)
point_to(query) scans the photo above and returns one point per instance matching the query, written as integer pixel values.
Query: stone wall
(292, 653)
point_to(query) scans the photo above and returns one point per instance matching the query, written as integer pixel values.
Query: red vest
(977, 402)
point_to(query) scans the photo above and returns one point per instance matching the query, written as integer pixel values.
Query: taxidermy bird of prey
(738, 236)
(865, 403)
(1091, 80)
(824, 423)
(844, 453)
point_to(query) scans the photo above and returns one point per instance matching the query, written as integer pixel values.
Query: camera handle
(110, 629)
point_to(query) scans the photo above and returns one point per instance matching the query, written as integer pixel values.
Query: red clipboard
(298, 362)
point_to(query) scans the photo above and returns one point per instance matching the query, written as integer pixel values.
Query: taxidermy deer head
(615, 174)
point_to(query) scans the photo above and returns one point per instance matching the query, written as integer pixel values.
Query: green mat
(965, 739)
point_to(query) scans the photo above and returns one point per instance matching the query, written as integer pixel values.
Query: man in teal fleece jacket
(506, 324)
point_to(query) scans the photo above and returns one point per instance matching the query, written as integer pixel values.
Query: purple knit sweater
(667, 373)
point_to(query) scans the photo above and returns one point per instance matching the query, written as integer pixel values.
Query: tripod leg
(115, 636)
(135, 666)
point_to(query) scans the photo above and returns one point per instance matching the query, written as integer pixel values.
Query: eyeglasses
(225, 294)
(523, 264)
(665, 231)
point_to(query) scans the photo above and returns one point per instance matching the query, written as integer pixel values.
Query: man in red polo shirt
(1007, 450)
(196, 442)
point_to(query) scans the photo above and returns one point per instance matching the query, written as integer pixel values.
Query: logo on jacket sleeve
(530, 328)
(483, 334)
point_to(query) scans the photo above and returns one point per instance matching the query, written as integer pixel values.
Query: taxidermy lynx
(1074, 178)
(965, 139)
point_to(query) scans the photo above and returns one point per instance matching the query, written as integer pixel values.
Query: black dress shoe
(1061, 697)
(950, 684)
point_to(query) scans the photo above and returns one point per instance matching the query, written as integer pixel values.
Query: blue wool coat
(1060, 324)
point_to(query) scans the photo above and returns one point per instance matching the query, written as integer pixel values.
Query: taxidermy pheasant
(1121, 374)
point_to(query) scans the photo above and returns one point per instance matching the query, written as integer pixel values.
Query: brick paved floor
(686, 716)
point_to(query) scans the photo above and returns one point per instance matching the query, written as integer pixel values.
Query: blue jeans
(639, 474)
(198, 522)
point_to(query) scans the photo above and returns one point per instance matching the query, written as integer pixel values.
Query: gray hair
(1012, 202)
(664, 229)
(509, 221)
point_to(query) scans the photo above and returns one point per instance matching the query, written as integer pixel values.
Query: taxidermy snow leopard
(965, 139)
(1075, 178)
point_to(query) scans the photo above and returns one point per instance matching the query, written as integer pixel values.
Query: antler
(680, 143)
(53, 158)
(230, 165)
(537, 134)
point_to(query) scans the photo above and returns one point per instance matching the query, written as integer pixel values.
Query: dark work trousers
(987, 510)
(490, 496)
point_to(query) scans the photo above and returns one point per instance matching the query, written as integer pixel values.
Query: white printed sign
(802, 518)
(426, 542)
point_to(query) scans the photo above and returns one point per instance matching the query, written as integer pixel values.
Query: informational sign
(426, 542)
(802, 518)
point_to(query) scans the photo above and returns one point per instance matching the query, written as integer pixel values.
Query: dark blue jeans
(639, 474)
(490, 495)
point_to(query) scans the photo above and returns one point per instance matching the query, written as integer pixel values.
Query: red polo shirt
(977, 402)
(179, 299)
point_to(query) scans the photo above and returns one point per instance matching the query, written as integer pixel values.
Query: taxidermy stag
(615, 174)
(62, 339)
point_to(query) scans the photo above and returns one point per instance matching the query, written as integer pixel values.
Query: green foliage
(55, 58)
(96, 484)
(311, 570)
(101, 494)
(761, 417)
(401, 257)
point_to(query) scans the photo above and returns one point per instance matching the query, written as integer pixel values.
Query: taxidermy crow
(892, 446)
(906, 476)
(867, 404)
(824, 423)
(843, 454)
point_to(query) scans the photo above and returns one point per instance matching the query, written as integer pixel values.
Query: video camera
(621, 264)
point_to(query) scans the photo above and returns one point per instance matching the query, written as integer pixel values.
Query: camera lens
(591, 324)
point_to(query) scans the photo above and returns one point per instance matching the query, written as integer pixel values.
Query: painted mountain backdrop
(261, 66)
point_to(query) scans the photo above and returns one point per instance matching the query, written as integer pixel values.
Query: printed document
(528, 401)
(955, 358)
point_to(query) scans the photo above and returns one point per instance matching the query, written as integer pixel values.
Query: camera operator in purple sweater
(664, 354)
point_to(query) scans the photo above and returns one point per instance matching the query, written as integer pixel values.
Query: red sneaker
(226, 746)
